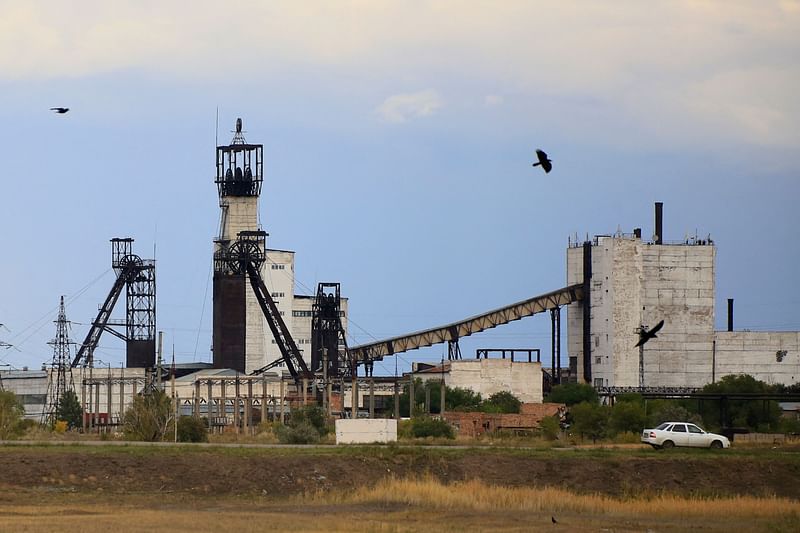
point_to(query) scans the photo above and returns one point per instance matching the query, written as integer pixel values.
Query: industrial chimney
(659, 223)
(730, 314)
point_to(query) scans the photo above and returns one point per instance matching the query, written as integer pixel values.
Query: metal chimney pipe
(659, 222)
(730, 314)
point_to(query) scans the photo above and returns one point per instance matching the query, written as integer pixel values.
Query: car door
(679, 435)
(697, 437)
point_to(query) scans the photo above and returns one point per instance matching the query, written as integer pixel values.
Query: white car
(671, 434)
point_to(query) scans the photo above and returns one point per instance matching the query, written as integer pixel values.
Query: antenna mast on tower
(60, 366)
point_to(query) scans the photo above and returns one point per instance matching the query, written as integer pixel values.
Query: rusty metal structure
(450, 333)
(329, 353)
(138, 278)
(242, 260)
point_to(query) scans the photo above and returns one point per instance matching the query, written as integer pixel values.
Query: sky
(398, 139)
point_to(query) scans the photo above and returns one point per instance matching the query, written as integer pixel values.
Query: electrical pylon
(60, 368)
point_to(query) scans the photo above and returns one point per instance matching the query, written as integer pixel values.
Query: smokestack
(730, 314)
(659, 222)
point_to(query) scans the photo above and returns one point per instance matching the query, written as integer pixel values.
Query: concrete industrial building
(489, 376)
(633, 283)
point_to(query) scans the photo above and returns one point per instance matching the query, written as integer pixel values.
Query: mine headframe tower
(244, 257)
(329, 354)
(60, 370)
(138, 278)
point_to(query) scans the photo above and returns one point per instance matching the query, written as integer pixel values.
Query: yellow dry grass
(395, 505)
(477, 496)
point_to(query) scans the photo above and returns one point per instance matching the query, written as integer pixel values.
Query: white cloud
(492, 100)
(405, 106)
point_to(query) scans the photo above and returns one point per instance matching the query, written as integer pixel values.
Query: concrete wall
(488, 376)
(365, 431)
(756, 353)
(635, 283)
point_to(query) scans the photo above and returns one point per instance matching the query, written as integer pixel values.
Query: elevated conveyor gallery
(367, 353)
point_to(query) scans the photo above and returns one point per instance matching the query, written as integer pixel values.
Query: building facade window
(277, 295)
(301, 314)
(278, 267)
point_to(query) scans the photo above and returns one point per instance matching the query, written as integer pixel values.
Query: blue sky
(398, 139)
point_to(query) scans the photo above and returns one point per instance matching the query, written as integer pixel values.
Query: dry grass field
(367, 489)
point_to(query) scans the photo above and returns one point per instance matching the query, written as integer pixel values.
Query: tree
(501, 402)
(460, 399)
(11, 413)
(69, 410)
(670, 411)
(627, 417)
(149, 417)
(754, 414)
(589, 420)
(573, 394)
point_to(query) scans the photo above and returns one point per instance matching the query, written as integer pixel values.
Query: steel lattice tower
(61, 370)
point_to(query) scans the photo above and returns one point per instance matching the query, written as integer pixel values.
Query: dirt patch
(267, 473)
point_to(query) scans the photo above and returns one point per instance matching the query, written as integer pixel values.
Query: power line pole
(59, 367)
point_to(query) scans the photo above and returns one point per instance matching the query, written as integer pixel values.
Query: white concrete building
(489, 376)
(634, 283)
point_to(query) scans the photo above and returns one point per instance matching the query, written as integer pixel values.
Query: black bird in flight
(645, 335)
(59, 110)
(543, 161)
(553, 519)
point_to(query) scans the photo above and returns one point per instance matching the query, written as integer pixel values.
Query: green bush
(627, 417)
(550, 427)
(312, 415)
(425, 426)
(589, 420)
(192, 429)
(149, 417)
(11, 413)
(298, 433)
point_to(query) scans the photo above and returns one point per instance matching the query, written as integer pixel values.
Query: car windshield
(663, 426)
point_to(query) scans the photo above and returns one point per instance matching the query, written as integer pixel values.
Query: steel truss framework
(452, 332)
(61, 372)
(245, 257)
(328, 342)
(138, 277)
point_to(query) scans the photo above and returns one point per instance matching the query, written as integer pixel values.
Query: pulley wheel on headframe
(242, 252)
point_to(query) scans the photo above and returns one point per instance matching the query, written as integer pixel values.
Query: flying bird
(59, 110)
(645, 335)
(543, 161)
(553, 519)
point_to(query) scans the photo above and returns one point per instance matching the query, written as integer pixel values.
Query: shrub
(627, 417)
(149, 417)
(192, 429)
(11, 413)
(60, 426)
(589, 420)
(312, 415)
(425, 426)
(550, 427)
(298, 433)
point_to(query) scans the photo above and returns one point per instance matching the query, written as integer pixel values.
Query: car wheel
(717, 445)
(667, 444)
